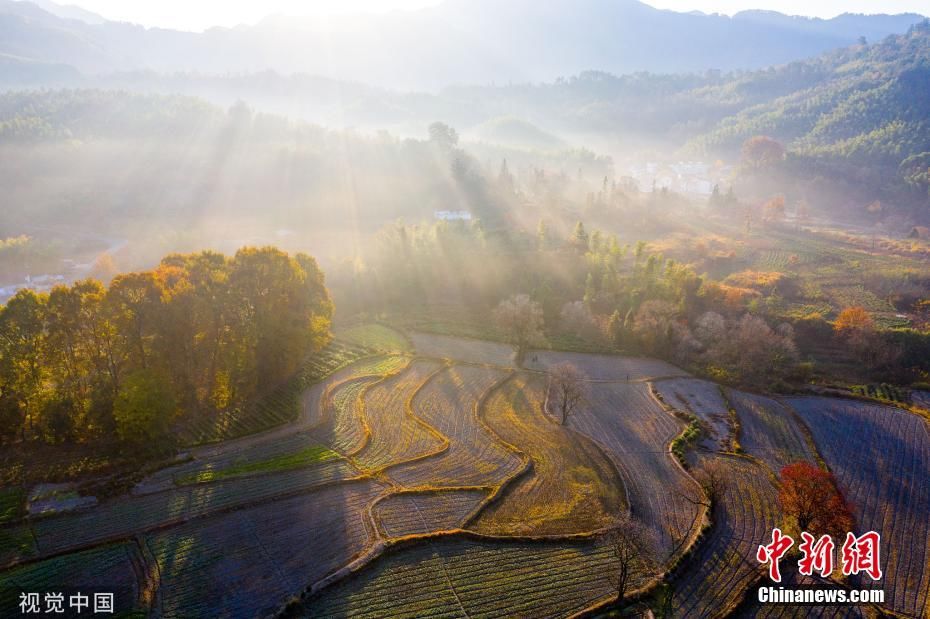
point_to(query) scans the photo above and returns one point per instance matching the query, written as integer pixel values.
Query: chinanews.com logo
(858, 556)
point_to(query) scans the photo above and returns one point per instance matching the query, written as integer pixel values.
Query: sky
(201, 14)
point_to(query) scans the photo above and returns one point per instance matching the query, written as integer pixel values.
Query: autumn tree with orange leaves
(810, 496)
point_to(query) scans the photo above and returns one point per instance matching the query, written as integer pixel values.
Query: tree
(716, 198)
(134, 300)
(810, 496)
(750, 349)
(774, 209)
(521, 319)
(654, 325)
(443, 135)
(58, 420)
(505, 180)
(567, 389)
(762, 151)
(22, 353)
(853, 320)
(579, 238)
(283, 316)
(543, 240)
(615, 331)
(12, 415)
(711, 478)
(633, 546)
(576, 318)
(143, 408)
(855, 327)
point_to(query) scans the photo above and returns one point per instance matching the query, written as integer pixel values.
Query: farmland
(881, 456)
(572, 486)
(768, 431)
(449, 403)
(702, 399)
(437, 480)
(637, 433)
(714, 579)
(466, 578)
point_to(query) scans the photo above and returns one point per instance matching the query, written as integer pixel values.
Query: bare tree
(522, 319)
(634, 547)
(567, 389)
(712, 478)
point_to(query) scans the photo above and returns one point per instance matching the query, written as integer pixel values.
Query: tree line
(199, 334)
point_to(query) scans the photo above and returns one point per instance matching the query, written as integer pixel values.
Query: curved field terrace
(432, 477)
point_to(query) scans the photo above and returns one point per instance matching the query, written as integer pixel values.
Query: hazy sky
(199, 14)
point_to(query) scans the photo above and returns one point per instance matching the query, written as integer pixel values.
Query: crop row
(474, 458)
(396, 434)
(464, 578)
(126, 515)
(723, 566)
(572, 486)
(769, 432)
(881, 458)
(637, 431)
(343, 428)
(108, 569)
(245, 563)
(409, 513)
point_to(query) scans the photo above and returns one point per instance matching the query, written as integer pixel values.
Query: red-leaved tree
(810, 495)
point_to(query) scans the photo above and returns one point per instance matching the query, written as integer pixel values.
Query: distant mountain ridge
(459, 41)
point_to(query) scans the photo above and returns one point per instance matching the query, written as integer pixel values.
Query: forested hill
(864, 120)
(871, 98)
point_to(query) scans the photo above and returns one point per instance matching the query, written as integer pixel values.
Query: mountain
(864, 122)
(69, 11)
(459, 41)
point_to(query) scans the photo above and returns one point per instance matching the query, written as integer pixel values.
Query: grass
(374, 336)
(284, 462)
(687, 437)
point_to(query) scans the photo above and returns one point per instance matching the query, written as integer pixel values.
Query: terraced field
(752, 608)
(637, 431)
(396, 434)
(714, 579)
(881, 458)
(449, 403)
(466, 578)
(115, 568)
(245, 563)
(571, 487)
(703, 399)
(462, 349)
(438, 485)
(603, 367)
(411, 513)
(122, 517)
(769, 431)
